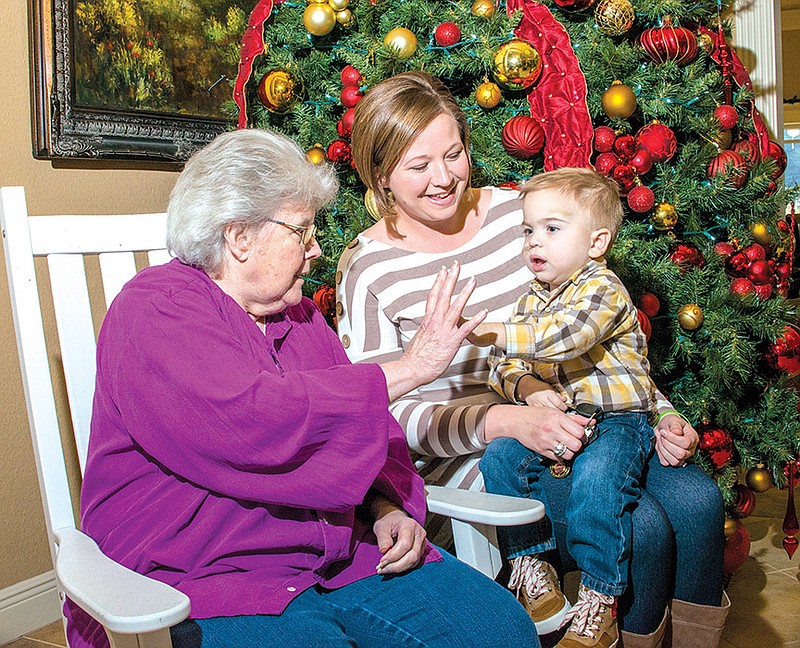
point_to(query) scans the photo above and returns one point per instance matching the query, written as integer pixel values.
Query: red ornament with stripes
(730, 164)
(669, 43)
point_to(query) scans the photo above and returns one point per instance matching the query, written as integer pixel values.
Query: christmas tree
(651, 94)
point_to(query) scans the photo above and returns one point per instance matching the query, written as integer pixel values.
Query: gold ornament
(319, 19)
(371, 204)
(614, 17)
(483, 9)
(758, 479)
(488, 95)
(690, 317)
(760, 233)
(516, 65)
(723, 139)
(705, 42)
(730, 527)
(279, 91)
(338, 5)
(402, 42)
(664, 217)
(345, 18)
(316, 154)
(618, 101)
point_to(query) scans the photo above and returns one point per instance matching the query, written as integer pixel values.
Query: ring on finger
(559, 449)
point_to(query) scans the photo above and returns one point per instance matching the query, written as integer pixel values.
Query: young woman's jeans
(605, 487)
(677, 541)
(440, 605)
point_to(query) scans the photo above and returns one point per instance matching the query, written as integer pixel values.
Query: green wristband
(667, 412)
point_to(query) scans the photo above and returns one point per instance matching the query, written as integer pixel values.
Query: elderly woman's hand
(439, 337)
(676, 440)
(401, 539)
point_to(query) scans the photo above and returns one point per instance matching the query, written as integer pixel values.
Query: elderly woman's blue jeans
(677, 541)
(606, 475)
(439, 605)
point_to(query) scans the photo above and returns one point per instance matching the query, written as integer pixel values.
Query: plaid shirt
(583, 339)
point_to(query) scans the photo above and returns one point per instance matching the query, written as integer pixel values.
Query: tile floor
(765, 591)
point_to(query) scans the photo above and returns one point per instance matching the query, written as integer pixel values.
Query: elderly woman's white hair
(244, 176)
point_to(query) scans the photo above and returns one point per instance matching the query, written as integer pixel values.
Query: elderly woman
(411, 147)
(237, 455)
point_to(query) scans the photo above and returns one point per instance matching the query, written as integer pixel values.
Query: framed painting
(132, 79)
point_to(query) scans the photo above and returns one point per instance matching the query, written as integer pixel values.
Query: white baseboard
(28, 606)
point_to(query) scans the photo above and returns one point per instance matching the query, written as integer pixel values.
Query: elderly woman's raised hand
(401, 539)
(439, 336)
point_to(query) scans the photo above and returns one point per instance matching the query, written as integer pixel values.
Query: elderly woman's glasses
(306, 233)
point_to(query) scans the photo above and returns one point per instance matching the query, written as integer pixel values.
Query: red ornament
(745, 502)
(641, 199)
(658, 140)
(351, 95)
(748, 150)
(726, 116)
(604, 139)
(784, 354)
(625, 177)
(723, 248)
(716, 444)
(339, 152)
(649, 304)
(669, 43)
(742, 286)
(755, 252)
(644, 324)
(759, 272)
(625, 146)
(325, 299)
(447, 34)
(686, 255)
(522, 137)
(730, 165)
(606, 162)
(737, 548)
(510, 185)
(345, 125)
(775, 152)
(764, 291)
(782, 271)
(641, 161)
(736, 264)
(574, 5)
(350, 76)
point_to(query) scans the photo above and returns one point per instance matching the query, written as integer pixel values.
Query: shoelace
(585, 614)
(529, 572)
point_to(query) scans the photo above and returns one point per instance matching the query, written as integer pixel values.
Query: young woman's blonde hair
(595, 194)
(388, 119)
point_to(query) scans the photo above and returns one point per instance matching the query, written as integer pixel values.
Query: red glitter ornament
(658, 140)
(742, 286)
(764, 291)
(339, 152)
(726, 116)
(759, 272)
(604, 137)
(686, 255)
(350, 75)
(447, 34)
(669, 43)
(736, 264)
(522, 137)
(606, 162)
(723, 248)
(731, 165)
(641, 199)
(755, 252)
(784, 354)
(716, 444)
(649, 304)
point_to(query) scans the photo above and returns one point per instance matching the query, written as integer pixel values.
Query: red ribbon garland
(252, 46)
(558, 99)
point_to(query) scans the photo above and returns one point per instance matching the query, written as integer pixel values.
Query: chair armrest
(120, 599)
(483, 508)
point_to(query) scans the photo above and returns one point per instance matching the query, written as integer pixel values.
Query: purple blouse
(231, 462)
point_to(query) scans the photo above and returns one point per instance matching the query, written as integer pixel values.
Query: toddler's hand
(547, 398)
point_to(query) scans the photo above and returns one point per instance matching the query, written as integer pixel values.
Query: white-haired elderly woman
(238, 455)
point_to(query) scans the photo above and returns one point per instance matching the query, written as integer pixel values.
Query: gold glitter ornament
(316, 154)
(614, 17)
(279, 91)
(690, 317)
(402, 42)
(488, 95)
(664, 217)
(760, 233)
(618, 101)
(483, 9)
(319, 19)
(516, 65)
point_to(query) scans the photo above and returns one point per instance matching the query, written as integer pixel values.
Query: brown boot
(652, 640)
(697, 626)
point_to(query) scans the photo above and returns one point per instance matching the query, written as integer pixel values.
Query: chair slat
(76, 340)
(117, 269)
(158, 257)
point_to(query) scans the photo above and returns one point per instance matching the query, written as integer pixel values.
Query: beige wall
(23, 546)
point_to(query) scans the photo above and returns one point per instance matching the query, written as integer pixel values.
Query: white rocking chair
(135, 610)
